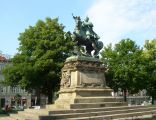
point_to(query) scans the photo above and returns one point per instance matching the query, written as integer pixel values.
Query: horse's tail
(99, 45)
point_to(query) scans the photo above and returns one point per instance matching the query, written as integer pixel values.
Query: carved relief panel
(66, 79)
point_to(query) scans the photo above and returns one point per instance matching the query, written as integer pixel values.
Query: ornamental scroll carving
(66, 79)
(87, 65)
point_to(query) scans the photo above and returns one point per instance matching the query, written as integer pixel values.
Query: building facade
(8, 93)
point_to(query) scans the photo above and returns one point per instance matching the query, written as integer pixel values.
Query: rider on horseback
(84, 36)
(88, 26)
(90, 34)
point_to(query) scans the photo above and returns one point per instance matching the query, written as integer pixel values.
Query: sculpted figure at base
(85, 39)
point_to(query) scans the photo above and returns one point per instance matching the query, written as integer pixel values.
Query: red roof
(2, 58)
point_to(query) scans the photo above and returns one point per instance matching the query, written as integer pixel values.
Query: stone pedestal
(83, 72)
(83, 82)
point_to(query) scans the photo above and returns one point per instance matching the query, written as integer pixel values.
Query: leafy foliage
(42, 52)
(150, 57)
(124, 66)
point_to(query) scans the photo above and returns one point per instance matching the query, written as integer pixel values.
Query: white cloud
(117, 19)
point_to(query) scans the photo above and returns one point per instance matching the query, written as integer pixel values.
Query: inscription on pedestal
(92, 79)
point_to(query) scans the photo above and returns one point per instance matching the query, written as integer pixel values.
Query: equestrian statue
(85, 39)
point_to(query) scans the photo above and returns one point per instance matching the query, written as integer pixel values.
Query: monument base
(81, 98)
(83, 85)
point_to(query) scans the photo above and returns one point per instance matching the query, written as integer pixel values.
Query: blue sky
(113, 19)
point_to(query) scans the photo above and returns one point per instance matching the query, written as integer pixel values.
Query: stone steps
(128, 116)
(87, 102)
(133, 114)
(106, 113)
(38, 111)
(143, 117)
(30, 115)
(96, 99)
(5, 118)
(95, 105)
(102, 114)
(93, 109)
(16, 117)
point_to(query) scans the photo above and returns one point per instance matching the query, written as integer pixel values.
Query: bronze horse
(85, 45)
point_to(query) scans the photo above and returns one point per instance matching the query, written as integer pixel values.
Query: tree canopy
(124, 66)
(41, 54)
(150, 62)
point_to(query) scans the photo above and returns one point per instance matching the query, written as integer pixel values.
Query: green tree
(42, 52)
(17, 98)
(150, 58)
(124, 66)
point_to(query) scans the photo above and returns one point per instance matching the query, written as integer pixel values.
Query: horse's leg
(77, 50)
(96, 52)
(88, 51)
(94, 46)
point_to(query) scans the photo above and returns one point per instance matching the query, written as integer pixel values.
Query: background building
(140, 98)
(8, 94)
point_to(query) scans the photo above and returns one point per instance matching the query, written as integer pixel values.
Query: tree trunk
(50, 96)
(153, 98)
(125, 95)
(38, 97)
